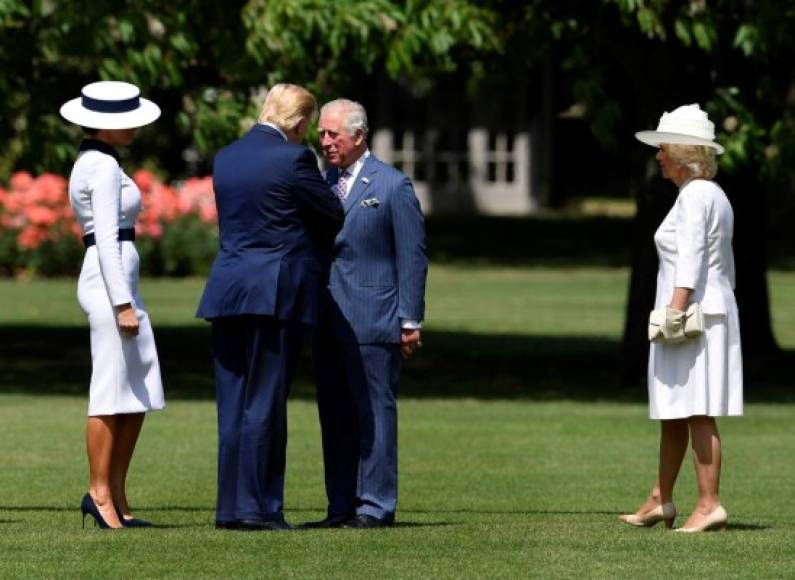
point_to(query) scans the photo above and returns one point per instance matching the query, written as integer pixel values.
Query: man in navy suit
(370, 321)
(275, 215)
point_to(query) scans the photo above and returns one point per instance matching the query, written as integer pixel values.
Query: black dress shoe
(262, 525)
(365, 522)
(230, 525)
(329, 522)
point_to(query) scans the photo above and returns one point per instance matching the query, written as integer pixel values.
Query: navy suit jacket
(380, 264)
(275, 212)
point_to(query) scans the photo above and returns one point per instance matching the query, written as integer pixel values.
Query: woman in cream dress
(692, 383)
(125, 376)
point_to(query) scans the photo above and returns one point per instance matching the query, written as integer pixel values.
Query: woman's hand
(126, 319)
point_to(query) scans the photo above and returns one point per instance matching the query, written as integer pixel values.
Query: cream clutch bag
(672, 326)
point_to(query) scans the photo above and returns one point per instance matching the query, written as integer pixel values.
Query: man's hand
(127, 320)
(410, 340)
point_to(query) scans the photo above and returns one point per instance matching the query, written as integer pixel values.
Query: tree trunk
(653, 203)
(749, 199)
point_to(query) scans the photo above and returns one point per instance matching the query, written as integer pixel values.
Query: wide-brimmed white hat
(687, 125)
(110, 105)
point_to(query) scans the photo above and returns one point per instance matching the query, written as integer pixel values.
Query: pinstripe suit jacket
(379, 265)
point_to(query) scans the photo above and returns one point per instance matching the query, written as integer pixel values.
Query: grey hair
(698, 159)
(354, 114)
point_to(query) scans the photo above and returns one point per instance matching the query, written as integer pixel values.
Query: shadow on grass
(740, 527)
(77, 508)
(514, 512)
(57, 360)
(211, 509)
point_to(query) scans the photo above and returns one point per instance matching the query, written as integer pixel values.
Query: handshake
(671, 326)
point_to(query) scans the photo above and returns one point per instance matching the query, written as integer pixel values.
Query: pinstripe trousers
(357, 402)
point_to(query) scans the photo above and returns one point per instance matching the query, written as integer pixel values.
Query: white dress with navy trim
(125, 376)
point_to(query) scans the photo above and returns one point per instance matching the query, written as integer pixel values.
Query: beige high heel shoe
(662, 513)
(716, 520)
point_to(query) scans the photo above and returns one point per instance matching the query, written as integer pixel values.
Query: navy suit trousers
(357, 402)
(254, 360)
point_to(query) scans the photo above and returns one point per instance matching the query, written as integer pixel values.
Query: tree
(208, 63)
(733, 43)
(617, 63)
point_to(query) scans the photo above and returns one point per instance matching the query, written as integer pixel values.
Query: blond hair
(287, 105)
(698, 159)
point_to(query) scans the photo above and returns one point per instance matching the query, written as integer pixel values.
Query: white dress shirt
(353, 171)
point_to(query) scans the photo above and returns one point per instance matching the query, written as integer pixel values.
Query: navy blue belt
(125, 235)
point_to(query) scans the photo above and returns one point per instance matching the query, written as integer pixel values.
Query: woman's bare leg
(673, 446)
(707, 461)
(127, 430)
(100, 433)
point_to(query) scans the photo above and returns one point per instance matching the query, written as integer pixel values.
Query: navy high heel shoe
(132, 522)
(88, 507)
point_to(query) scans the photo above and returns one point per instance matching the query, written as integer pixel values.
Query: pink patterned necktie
(341, 189)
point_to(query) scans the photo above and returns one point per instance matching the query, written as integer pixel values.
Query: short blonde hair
(698, 159)
(287, 105)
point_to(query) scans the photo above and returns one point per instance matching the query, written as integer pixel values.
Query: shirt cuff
(410, 324)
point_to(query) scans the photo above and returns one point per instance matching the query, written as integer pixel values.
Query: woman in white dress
(125, 375)
(693, 382)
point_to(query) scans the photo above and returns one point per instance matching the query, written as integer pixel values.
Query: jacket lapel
(363, 182)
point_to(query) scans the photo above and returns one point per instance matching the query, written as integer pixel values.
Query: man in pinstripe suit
(374, 306)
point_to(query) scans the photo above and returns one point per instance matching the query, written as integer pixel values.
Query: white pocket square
(371, 202)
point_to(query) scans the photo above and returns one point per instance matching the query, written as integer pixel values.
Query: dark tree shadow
(56, 360)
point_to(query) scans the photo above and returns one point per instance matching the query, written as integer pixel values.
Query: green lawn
(508, 469)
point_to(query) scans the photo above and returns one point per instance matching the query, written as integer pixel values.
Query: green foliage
(54, 258)
(753, 107)
(323, 41)
(208, 63)
(215, 117)
(9, 252)
(188, 247)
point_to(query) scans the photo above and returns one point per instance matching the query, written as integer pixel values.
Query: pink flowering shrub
(176, 230)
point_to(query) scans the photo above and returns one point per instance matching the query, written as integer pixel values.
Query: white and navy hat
(110, 105)
(686, 125)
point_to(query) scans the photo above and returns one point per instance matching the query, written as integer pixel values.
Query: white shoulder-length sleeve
(691, 239)
(105, 184)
